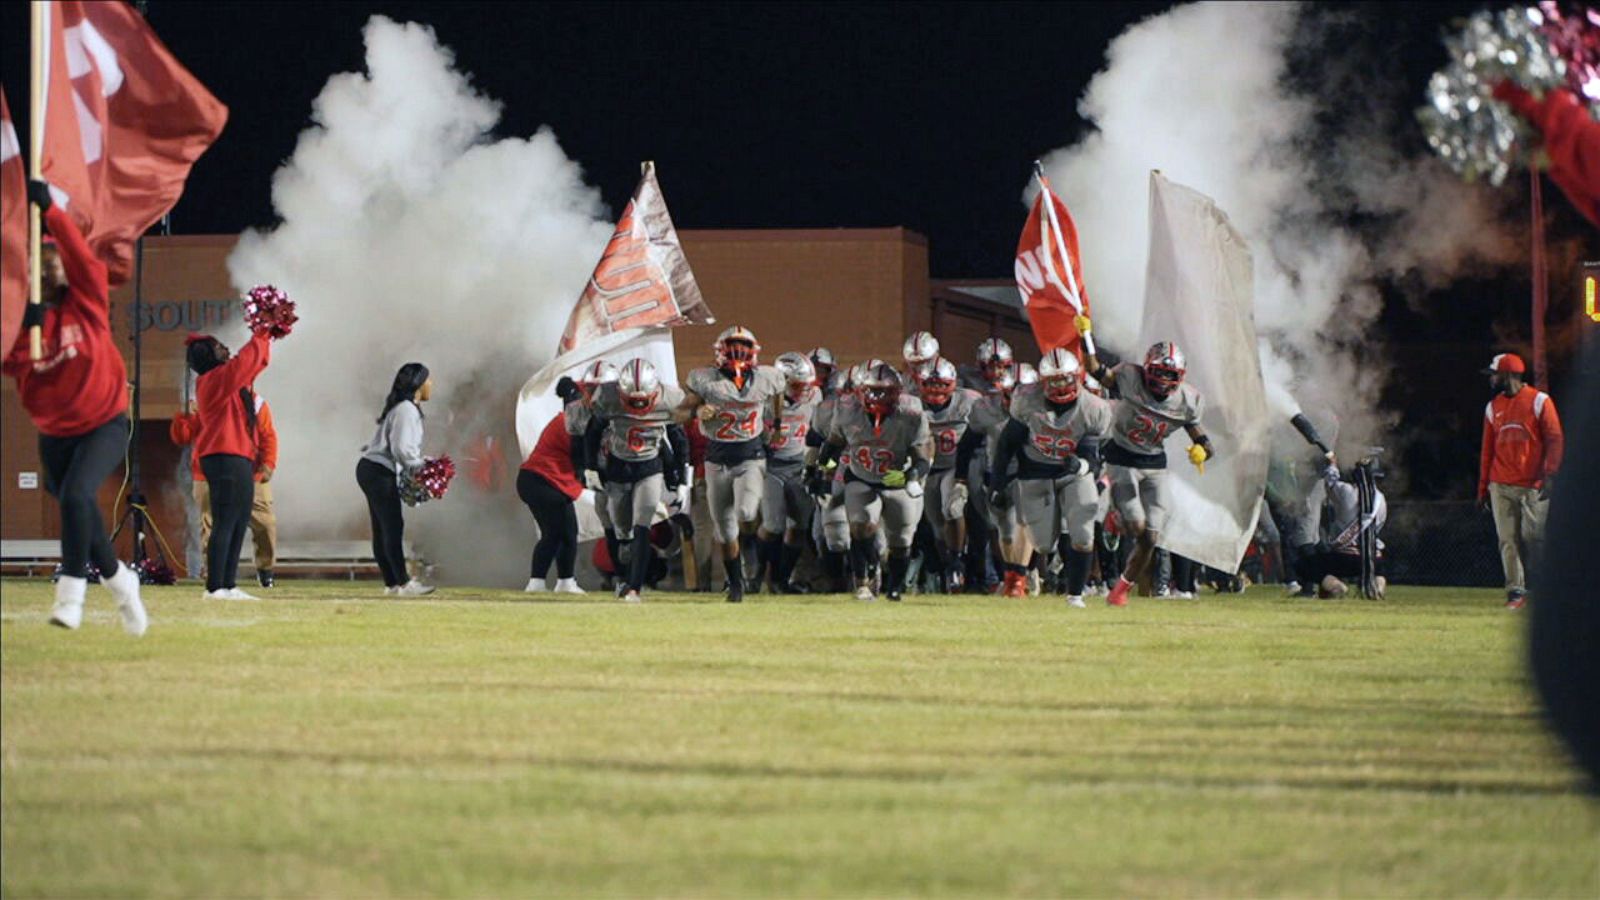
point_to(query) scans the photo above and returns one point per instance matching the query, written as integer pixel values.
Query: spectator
(394, 452)
(263, 523)
(1521, 451)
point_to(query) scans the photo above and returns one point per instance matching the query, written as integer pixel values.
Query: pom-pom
(1575, 39)
(269, 311)
(154, 571)
(1475, 134)
(430, 481)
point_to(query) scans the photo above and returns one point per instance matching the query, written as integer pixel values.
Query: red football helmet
(938, 381)
(1059, 372)
(879, 388)
(1164, 366)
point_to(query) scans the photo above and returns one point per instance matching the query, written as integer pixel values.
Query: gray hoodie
(397, 444)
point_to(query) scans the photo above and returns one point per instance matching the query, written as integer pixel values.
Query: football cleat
(1118, 595)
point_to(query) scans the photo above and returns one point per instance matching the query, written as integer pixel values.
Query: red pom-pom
(430, 481)
(269, 311)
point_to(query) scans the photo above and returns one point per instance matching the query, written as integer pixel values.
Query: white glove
(956, 505)
(591, 480)
(681, 498)
(913, 489)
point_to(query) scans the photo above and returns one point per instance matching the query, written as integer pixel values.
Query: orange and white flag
(1049, 273)
(642, 280)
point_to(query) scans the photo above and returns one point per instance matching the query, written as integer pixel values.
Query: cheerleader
(548, 484)
(227, 444)
(394, 452)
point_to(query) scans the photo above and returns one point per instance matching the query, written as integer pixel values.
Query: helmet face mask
(638, 386)
(938, 382)
(994, 356)
(737, 350)
(879, 388)
(1164, 366)
(798, 373)
(1059, 373)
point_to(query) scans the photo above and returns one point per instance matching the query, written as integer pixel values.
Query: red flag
(13, 231)
(124, 122)
(1049, 273)
(642, 278)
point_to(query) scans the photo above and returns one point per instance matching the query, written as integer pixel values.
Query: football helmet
(1027, 374)
(921, 347)
(823, 362)
(1164, 366)
(994, 355)
(737, 349)
(879, 388)
(797, 372)
(638, 385)
(1059, 372)
(839, 383)
(598, 373)
(938, 381)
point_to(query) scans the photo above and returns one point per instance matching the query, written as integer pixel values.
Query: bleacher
(307, 558)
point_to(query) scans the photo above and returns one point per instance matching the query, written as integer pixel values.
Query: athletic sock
(833, 567)
(788, 558)
(639, 564)
(899, 563)
(614, 547)
(770, 550)
(1077, 571)
(735, 573)
(861, 552)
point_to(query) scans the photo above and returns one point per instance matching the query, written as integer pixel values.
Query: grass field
(328, 742)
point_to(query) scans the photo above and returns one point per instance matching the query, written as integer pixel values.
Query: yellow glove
(895, 479)
(830, 465)
(1081, 323)
(1197, 455)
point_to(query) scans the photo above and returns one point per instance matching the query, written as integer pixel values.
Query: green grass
(330, 742)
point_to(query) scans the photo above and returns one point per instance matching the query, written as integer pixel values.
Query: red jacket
(186, 427)
(1522, 440)
(551, 458)
(81, 383)
(224, 418)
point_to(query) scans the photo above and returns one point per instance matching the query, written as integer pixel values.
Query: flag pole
(1047, 201)
(36, 144)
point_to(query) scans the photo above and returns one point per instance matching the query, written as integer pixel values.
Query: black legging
(231, 480)
(388, 525)
(558, 525)
(74, 469)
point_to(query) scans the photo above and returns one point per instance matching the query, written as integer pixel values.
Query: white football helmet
(920, 347)
(1060, 373)
(638, 385)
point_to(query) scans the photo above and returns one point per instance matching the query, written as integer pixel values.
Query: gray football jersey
(1141, 422)
(736, 415)
(871, 450)
(949, 425)
(636, 437)
(989, 416)
(1053, 436)
(787, 440)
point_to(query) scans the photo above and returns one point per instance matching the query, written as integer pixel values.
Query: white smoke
(409, 233)
(1202, 93)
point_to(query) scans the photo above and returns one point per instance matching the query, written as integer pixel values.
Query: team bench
(301, 557)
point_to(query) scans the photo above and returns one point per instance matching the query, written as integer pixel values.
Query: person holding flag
(77, 396)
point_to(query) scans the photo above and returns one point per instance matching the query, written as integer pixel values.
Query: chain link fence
(1446, 543)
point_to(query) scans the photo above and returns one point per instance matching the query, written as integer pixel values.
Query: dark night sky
(922, 115)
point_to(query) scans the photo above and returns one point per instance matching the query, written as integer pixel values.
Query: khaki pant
(263, 525)
(1519, 523)
(705, 540)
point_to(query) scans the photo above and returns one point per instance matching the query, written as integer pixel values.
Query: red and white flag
(1049, 273)
(124, 122)
(642, 280)
(13, 231)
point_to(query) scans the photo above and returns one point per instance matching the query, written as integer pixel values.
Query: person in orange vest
(1521, 452)
(263, 523)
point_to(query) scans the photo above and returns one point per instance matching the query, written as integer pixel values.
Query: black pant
(1314, 564)
(231, 480)
(558, 525)
(74, 469)
(388, 526)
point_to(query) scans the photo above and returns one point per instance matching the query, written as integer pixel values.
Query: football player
(1152, 400)
(920, 349)
(785, 500)
(823, 362)
(994, 359)
(1050, 422)
(577, 414)
(1010, 540)
(948, 408)
(646, 454)
(887, 453)
(734, 399)
(831, 529)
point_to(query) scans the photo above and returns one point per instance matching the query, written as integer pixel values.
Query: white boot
(535, 586)
(124, 587)
(568, 586)
(68, 611)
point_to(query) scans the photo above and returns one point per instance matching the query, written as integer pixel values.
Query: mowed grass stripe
(326, 741)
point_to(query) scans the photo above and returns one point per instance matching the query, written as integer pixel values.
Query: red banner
(642, 279)
(1049, 273)
(124, 122)
(13, 231)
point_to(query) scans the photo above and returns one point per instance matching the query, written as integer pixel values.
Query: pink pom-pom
(269, 311)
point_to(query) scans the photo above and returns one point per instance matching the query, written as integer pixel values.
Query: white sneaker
(234, 593)
(1291, 588)
(124, 587)
(1035, 583)
(1075, 601)
(1184, 595)
(568, 586)
(68, 609)
(414, 588)
(632, 597)
(535, 586)
(864, 593)
(218, 594)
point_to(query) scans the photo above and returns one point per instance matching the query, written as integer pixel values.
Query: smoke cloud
(1207, 94)
(408, 232)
